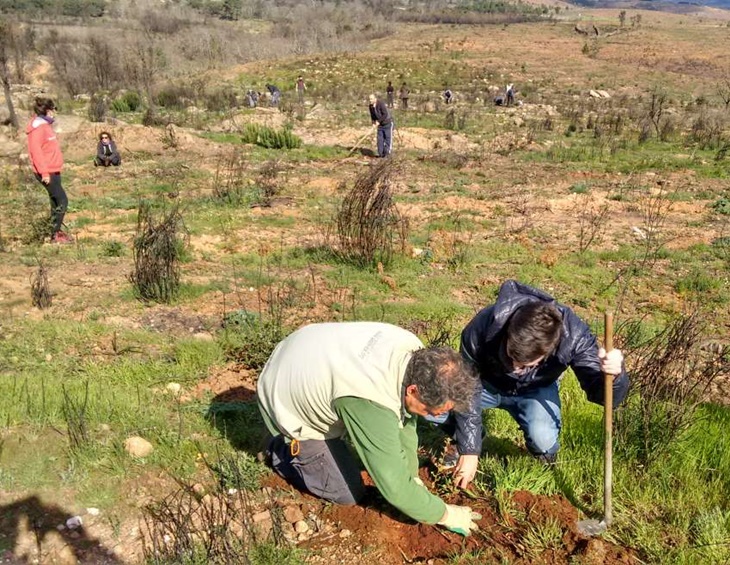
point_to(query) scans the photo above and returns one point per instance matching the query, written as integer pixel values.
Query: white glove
(460, 519)
(611, 362)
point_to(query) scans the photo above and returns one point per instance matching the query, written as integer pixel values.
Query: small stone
(261, 516)
(203, 336)
(61, 527)
(345, 533)
(137, 446)
(293, 514)
(198, 490)
(301, 527)
(92, 511)
(74, 522)
(173, 388)
(49, 357)
(267, 491)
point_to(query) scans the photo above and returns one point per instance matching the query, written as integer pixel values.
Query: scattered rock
(594, 94)
(203, 336)
(301, 527)
(74, 522)
(345, 533)
(638, 232)
(93, 511)
(198, 490)
(173, 388)
(293, 514)
(261, 516)
(137, 446)
(604, 94)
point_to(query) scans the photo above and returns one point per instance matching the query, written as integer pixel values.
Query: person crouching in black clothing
(106, 151)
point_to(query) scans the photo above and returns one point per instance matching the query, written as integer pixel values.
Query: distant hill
(664, 5)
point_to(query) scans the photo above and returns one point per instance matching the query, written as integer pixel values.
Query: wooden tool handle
(608, 424)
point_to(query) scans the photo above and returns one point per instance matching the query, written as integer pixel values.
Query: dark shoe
(61, 237)
(547, 458)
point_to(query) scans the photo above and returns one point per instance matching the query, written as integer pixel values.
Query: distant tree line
(71, 8)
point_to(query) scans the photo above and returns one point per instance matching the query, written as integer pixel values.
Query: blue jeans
(385, 139)
(537, 412)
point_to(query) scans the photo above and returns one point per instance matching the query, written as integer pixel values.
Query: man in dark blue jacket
(521, 345)
(380, 116)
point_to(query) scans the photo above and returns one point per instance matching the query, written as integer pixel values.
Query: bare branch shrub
(157, 248)
(671, 374)
(230, 182)
(217, 528)
(40, 291)
(591, 221)
(367, 220)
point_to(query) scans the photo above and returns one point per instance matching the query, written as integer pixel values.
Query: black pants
(59, 200)
(106, 161)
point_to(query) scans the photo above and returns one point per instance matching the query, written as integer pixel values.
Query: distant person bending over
(275, 94)
(520, 346)
(404, 93)
(106, 152)
(448, 96)
(252, 98)
(47, 160)
(368, 381)
(380, 116)
(301, 87)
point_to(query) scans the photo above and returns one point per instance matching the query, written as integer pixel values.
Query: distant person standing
(301, 87)
(448, 96)
(390, 92)
(509, 94)
(47, 160)
(106, 152)
(404, 93)
(380, 116)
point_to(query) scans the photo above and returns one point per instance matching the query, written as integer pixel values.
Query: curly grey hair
(441, 375)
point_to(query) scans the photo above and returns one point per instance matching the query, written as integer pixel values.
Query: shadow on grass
(30, 517)
(236, 416)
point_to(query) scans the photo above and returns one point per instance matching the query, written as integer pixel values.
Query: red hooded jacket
(43, 148)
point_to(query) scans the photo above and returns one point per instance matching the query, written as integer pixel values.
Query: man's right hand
(460, 519)
(465, 470)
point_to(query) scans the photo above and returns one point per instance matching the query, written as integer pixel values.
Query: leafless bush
(368, 221)
(230, 182)
(436, 330)
(157, 249)
(268, 182)
(707, 129)
(40, 291)
(671, 374)
(217, 527)
(98, 107)
(591, 221)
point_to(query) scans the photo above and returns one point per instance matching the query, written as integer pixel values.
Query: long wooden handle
(608, 424)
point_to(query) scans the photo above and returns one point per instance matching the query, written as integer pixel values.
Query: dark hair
(105, 133)
(533, 331)
(441, 375)
(43, 105)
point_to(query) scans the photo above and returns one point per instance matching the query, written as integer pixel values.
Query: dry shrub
(217, 527)
(157, 249)
(230, 182)
(368, 222)
(671, 374)
(40, 291)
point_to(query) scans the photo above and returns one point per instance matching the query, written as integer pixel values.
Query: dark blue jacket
(379, 113)
(482, 343)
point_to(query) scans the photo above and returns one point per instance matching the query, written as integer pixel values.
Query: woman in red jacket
(47, 160)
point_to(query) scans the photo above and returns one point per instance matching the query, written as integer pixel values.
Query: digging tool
(594, 527)
(359, 141)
